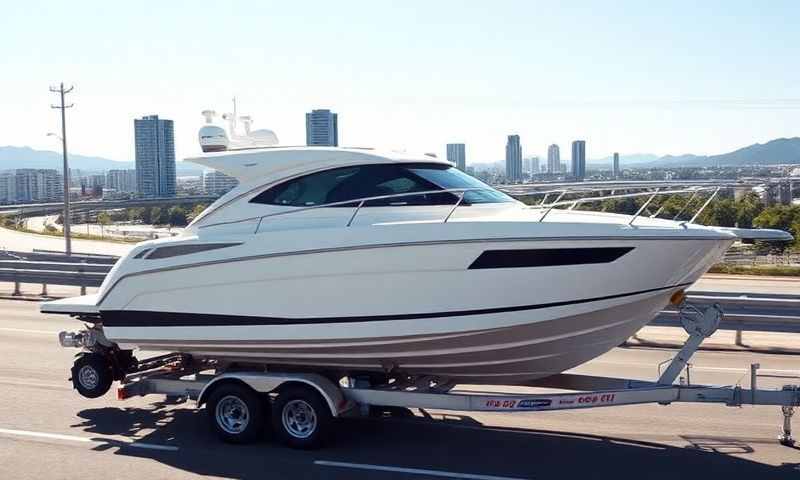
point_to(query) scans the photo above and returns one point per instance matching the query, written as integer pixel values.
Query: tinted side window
(306, 191)
(350, 183)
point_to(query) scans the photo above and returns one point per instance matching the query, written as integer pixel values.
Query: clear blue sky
(657, 77)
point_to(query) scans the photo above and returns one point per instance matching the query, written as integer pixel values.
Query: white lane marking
(413, 471)
(26, 330)
(28, 383)
(53, 436)
(73, 438)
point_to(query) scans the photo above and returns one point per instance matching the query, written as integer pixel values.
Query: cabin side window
(398, 181)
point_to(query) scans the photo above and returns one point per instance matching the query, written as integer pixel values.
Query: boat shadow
(453, 443)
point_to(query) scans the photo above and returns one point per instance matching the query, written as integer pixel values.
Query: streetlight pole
(66, 220)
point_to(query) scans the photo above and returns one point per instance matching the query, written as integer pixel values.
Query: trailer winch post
(753, 381)
(699, 325)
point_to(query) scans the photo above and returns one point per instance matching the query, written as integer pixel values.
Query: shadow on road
(456, 444)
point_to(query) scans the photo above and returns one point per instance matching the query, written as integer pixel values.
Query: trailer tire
(301, 418)
(92, 375)
(236, 413)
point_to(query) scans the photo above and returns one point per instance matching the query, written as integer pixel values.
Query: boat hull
(527, 350)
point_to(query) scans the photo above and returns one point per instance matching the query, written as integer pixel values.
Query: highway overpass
(54, 207)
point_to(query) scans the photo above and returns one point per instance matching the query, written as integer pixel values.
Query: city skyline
(628, 104)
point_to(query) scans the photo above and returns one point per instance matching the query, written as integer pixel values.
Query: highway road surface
(48, 431)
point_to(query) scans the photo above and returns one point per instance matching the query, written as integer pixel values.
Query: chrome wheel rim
(299, 419)
(232, 415)
(88, 377)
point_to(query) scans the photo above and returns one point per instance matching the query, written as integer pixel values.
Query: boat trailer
(301, 405)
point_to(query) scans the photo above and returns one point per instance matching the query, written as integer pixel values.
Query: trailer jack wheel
(786, 438)
(92, 375)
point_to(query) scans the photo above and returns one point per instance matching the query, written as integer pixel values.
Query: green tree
(153, 216)
(747, 209)
(721, 213)
(196, 211)
(136, 214)
(103, 218)
(177, 216)
(781, 217)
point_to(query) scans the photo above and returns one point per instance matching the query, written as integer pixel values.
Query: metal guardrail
(745, 312)
(54, 268)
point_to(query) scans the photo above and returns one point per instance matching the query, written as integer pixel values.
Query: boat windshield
(450, 177)
(364, 181)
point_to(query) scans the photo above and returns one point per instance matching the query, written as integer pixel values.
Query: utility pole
(66, 220)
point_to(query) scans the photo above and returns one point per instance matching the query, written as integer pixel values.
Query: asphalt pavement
(49, 431)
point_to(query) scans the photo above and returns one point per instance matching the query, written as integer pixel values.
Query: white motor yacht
(351, 261)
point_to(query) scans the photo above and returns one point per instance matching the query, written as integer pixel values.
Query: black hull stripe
(144, 318)
(547, 257)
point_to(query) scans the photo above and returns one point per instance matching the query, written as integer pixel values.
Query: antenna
(209, 115)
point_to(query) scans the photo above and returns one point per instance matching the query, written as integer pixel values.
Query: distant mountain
(25, 157)
(778, 151)
(774, 152)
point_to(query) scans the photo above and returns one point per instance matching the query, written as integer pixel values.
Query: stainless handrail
(705, 205)
(460, 198)
(575, 202)
(641, 209)
(360, 202)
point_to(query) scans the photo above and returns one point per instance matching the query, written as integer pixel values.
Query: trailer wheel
(92, 375)
(236, 413)
(301, 418)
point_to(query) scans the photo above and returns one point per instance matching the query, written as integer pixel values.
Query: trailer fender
(263, 382)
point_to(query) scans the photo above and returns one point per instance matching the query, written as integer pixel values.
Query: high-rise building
(534, 165)
(615, 166)
(579, 159)
(513, 158)
(8, 187)
(122, 181)
(784, 192)
(33, 185)
(456, 154)
(155, 157)
(553, 159)
(322, 128)
(217, 183)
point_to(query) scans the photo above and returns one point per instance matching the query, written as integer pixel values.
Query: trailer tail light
(678, 297)
(122, 394)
